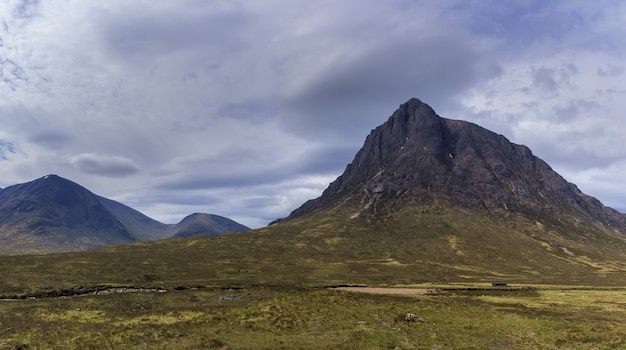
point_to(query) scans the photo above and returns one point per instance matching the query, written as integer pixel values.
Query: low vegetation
(268, 289)
(286, 318)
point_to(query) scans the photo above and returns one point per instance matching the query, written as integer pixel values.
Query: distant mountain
(199, 224)
(53, 214)
(143, 227)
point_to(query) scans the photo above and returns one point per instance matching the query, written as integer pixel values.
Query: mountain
(53, 214)
(143, 227)
(199, 224)
(458, 198)
(417, 157)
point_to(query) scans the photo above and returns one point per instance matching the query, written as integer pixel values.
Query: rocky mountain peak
(417, 157)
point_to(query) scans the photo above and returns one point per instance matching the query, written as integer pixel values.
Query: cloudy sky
(247, 108)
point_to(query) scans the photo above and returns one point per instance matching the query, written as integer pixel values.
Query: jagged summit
(418, 157)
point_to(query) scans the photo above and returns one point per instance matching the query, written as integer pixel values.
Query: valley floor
(318, 318)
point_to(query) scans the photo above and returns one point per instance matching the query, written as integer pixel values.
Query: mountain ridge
(53, 214)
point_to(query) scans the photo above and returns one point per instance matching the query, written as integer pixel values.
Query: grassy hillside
(415, 245)
(265, 289)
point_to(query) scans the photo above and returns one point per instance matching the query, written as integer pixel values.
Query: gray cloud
(52, 139)
(25, 8)
(147, 34)
(575, 108)
(103, 165)
(544, 79)
(356, 93)
(550, 80)
(227, 170)
(7, 148)
(610, 71)
(537, 26)
(250, 110)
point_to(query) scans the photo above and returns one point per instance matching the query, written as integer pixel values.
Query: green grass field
(291, 318)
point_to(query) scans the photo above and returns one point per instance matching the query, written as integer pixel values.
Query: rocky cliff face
(418, 157)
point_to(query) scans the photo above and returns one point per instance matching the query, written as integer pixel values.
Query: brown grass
(383, 291)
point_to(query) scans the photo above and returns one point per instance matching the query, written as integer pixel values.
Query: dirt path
(396, 291)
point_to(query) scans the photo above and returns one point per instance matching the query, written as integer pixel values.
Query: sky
(248, 108)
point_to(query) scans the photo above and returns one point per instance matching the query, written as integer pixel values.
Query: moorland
(269, 289)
